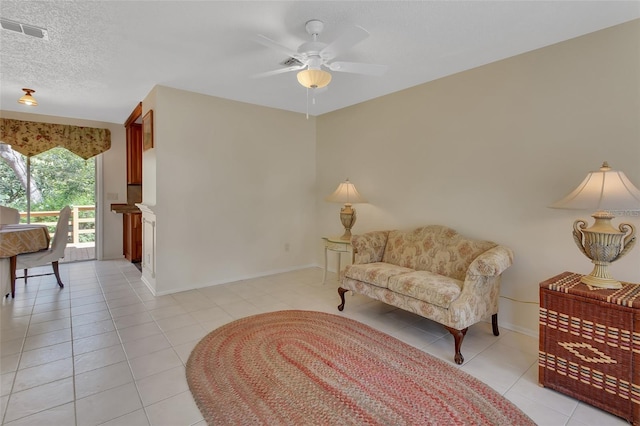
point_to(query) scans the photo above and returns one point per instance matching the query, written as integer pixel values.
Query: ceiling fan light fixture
(314, 79)
(27, 99)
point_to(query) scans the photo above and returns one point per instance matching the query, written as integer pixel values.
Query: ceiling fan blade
(358, 68)
(266, 41)
(345, 41)
(278, 71)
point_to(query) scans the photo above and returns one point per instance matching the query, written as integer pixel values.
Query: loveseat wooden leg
(458, 335)
(494, 323)
(341, 292)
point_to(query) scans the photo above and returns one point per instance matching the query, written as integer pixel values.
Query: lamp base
(348, 219)
(347, 235)
(603, 244)
(599, 282)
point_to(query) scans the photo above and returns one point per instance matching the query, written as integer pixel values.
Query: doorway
(41, 185)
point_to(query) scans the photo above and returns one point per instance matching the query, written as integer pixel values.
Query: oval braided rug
(303, 367)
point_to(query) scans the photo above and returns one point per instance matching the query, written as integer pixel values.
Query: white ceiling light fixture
(27, 99)
(314, 78)
(311, 57)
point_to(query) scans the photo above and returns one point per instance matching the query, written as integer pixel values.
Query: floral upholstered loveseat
(431, 271)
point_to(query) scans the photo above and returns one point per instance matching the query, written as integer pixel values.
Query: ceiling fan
(311, 58)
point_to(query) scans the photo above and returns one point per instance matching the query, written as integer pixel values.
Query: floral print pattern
(427, 286)
(492, 262)
(449, 279)
(31, 138)
(377, 273)
(369, 247)
(438, 249)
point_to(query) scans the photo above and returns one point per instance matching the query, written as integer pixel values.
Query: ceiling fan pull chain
(307, 103)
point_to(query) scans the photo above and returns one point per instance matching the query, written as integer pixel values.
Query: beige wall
(111, 178)
(487, 150)
(484, 151)
(235, 184)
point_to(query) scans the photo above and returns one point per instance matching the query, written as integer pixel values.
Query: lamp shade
(27, 99)
(605, 189)
(314, 79)
(346, 193)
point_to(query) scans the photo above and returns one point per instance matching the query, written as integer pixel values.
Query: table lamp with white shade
(606, 192)
(348, 194)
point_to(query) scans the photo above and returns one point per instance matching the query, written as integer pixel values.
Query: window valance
(31, 138)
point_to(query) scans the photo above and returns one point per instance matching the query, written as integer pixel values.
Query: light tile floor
(104, 350)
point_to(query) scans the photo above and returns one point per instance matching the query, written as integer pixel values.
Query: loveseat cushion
(377, 273)
(427, 286)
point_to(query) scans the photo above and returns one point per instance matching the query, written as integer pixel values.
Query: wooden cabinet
(133, 128)
(590, 343)
(132, 236)
(132, 218)
(134, 154)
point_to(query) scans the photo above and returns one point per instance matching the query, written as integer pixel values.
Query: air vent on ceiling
(26, 29)
(291, 62)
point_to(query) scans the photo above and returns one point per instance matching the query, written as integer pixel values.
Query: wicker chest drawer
(590, 343)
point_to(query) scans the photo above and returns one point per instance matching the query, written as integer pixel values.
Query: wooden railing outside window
(83, 222)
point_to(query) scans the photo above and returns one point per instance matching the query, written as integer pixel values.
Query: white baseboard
(233, 280)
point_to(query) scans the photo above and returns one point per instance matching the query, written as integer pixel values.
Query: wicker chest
(590, 343)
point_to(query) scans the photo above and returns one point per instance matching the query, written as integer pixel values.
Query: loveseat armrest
(492, 262)
(481, 289)
(369, 247)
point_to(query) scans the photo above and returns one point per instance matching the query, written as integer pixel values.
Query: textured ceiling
(103, 57)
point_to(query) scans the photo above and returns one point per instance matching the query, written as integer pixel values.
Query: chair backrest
(9, 216)
(61, 236)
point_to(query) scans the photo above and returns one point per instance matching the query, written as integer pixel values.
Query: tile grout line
(73, 359)
(110, 284)
(128, 360)
(24, 340)
(117, 330)
(22, 353)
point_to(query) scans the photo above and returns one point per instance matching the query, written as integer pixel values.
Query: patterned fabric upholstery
(427, 286)
(438, 249)
(369, 247)
(492, 262)
(458, 316)
(449, 278)
(377, 273)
